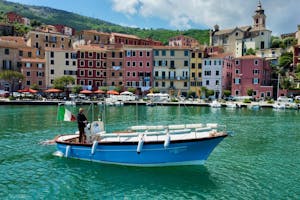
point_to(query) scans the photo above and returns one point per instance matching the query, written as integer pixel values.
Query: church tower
(259, 19)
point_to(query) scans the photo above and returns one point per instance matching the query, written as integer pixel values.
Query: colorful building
(33, 69)
(212, 74)
(251, 73)
(138, 67)
(92, 66)
(196, 70)
(115, 66)
(183, 41)
(60, 62)
(171, 66)
(91, 37)
(42, 39)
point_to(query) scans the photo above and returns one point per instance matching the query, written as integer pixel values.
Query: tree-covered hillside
(53, 16)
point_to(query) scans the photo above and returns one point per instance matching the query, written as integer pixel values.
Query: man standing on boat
(82, 121)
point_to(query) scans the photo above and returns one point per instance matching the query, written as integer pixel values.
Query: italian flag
(65, 115)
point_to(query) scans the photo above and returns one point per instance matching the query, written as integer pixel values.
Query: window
(207, 73)
(81, 72)
(255, 62)
(141, 54)
(255, 81)
(6, 51)
(27, 73)
(237, 62)
(20, 53)
(193, 74)
(186, 63)
(217, 73)
(133, 53)
(237, 81)
(207, 82)
(90, 63)
(40, 65)
(90, 54)
(113, 74)
(156, 53)
(128, 74)
(112, 54)
(163, 52)
(133, 64)
(163, 84)
(40, 83)
(186, 53)
(74, 63)
(237, 71)
(128, 64)
(217, 82)
(193, 65)
(172, 53)
(52, 71)
(199, 65)
(28, 65)
(66, 55)
(255, 71)
(29, 54)
(81, 63)
(141, 64)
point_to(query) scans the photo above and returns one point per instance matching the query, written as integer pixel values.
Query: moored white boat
(231, 105)
(184, 144)
(215, 104)
(279, 105)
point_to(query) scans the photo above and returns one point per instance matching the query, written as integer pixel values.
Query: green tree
(34, 87)
(209, 93)
(76, 89)
(250, 51)
(285, 61)
(63, 82)
(227, 93)
(131, 89)
(250, 92)
(12, 77)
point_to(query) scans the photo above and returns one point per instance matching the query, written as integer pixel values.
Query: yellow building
(196, 70)
(171, 69)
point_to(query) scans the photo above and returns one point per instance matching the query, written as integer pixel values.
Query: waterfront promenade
(140, 102)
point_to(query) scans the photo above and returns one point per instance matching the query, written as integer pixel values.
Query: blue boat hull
(188, 152)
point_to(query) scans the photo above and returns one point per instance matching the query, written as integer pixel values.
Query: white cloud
(182, 14)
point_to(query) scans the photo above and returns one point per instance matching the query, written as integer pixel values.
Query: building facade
(212, 74)
(59, 62)
(171, 69)
(92, 66)
(196, 70)
(251, 73)
(138, 67)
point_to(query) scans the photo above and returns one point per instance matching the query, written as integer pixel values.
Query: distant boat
(253, 107)
(279, 105)
(215, 104)
(184, 144)
(70, 103)
(231, 105)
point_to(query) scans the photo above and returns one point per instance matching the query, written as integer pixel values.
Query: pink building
(138, 67)
(251, 72)
(227, 68)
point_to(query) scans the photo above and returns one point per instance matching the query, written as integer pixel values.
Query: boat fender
(94, 147)
(140, 144)
(68, 151)
(167, 141)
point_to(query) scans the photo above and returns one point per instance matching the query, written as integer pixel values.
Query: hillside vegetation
(47, 15)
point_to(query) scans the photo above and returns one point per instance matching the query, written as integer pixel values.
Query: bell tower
(259, 18)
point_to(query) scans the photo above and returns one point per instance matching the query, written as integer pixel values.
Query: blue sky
(282, 15)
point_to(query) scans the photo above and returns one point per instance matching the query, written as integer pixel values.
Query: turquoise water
(261, 160)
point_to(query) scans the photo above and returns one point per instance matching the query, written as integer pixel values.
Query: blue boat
(146, 146)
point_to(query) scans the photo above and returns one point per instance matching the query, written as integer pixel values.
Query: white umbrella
(126, 93)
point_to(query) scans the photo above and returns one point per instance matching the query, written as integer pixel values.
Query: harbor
(257, 162)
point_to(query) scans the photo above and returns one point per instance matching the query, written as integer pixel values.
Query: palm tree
(11, 77)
